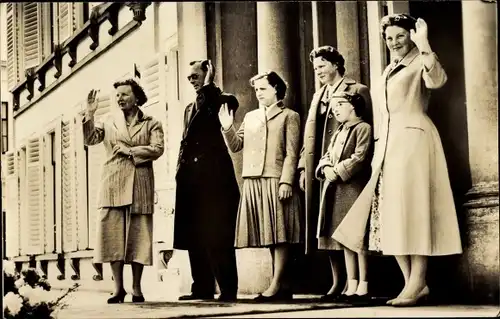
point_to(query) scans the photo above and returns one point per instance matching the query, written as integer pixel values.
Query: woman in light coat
(408, 202)
(132, 141)
(269, 211)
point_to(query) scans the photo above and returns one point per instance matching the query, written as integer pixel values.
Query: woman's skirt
(265, 220)
(373, 237)
(123, 236)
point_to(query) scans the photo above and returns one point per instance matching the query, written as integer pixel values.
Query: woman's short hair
(330, 54)
(274, 80)
(357, 101)
(140, 95)
(401, 20)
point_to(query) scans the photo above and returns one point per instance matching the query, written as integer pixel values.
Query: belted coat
(309, 158)
(207, 193)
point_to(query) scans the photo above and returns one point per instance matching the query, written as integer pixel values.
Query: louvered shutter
(95, 157)
(34, 196)
(64, 21)
(32, 34)
(12, 218)
(151, 78)
(80, 185)
(69, 207)
(12, 45)
(48, 195)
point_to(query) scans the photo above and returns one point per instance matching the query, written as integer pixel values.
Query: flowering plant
(27, 294)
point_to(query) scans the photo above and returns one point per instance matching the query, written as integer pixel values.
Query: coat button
(183, 161)
(195, 159)
(330, 115)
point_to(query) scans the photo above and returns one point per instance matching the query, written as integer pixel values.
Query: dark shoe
(345, 298)
(137, 298)
(196, 297)
(281, 295)
(227, 297)
(329, 298)
(119, 298)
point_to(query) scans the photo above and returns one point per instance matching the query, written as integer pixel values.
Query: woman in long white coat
(408, 204)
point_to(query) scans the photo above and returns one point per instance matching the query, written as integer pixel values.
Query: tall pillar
(348, 37)
(192, 42)
(277, 38)
(481, 253)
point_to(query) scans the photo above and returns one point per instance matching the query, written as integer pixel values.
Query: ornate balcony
(85, 44)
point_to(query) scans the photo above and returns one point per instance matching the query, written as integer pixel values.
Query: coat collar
(404, 62)
(121, 124)
(272, 110)
(348, 125)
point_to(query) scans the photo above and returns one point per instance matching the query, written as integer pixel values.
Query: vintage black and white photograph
(249, 159)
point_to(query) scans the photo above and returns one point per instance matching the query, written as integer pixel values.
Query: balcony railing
(91, 29)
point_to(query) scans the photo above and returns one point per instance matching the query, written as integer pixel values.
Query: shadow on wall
(448, 111)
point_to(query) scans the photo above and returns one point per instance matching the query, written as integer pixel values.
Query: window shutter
(152, 72)
(64, 20)
(48, 196)
(34, 195)
(12, 218)
(32, 34)
(69, 207)
(78, 18)
(96, 157)
(82, 222)
(12, 45)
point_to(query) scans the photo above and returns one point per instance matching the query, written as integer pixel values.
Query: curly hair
(140, 95)
(401, 20)
(274, 80)
(330, 54)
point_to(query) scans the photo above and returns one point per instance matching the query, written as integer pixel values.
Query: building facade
(57, 52)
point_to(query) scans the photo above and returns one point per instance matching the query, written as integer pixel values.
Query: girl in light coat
(269, 211)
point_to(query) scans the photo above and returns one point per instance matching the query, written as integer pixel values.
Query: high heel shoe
(119, 298)
(420, 299)
(281, 295)
(138, 298)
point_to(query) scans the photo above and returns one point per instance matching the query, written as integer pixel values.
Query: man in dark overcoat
(207, 193)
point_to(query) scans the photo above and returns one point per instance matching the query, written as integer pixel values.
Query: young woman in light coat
(269, 211)
(408, 201)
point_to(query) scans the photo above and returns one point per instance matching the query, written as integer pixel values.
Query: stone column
(346, 13)
(481, 251)
(277, 40)
(192, 42)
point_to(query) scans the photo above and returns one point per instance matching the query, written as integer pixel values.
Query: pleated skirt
(123, 236)
(265, 220)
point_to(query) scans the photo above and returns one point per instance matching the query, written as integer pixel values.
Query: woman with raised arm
(407, 204)
(132, 141)
(269, 211)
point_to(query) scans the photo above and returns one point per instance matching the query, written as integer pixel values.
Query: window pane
(4, 110)
(4, 128)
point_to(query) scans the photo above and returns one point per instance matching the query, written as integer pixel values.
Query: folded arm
(146, 153)
(350, 166)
